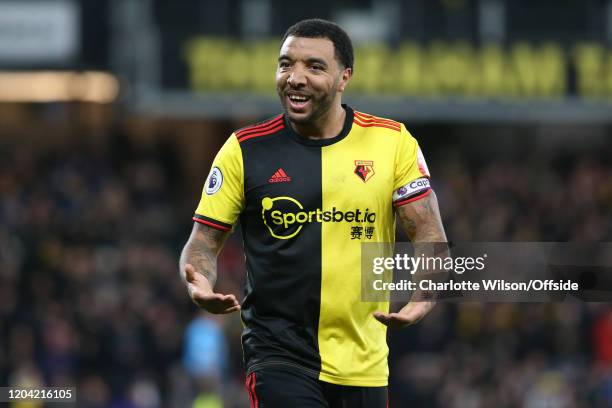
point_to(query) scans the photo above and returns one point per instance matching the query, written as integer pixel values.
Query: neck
(324, 127)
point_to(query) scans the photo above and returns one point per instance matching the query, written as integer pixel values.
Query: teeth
(298, 98)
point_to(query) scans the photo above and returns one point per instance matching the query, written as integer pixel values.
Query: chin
(299, 117)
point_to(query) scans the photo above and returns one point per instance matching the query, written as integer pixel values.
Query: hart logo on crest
(364, 169)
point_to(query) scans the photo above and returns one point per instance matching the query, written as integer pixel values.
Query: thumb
(190, 273)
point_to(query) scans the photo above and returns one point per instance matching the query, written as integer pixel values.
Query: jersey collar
(348, 123)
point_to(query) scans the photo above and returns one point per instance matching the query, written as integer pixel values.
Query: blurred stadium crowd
(90, 294)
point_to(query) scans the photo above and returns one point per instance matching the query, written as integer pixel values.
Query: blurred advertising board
(497, 60)
(522, 70)
(38, 32)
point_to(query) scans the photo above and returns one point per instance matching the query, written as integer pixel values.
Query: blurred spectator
(205, 357)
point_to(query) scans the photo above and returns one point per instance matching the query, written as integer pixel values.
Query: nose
(296, 78)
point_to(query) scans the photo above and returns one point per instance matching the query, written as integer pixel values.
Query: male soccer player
(309, 186)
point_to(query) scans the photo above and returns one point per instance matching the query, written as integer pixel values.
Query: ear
(345, 77)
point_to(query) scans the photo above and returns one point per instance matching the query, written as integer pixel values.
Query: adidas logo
(279, 177)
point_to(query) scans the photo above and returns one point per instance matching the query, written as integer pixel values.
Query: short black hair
(319, 28)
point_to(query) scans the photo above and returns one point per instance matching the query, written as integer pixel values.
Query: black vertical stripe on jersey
(283, 290)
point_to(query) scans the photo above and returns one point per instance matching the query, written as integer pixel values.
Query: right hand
(202, 294)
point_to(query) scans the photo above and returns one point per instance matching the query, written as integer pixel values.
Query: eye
(316, 67)
(283, 64)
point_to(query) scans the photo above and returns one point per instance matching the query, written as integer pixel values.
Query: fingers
(228, 298)
(382, 317)
(231, 310)
(229, 301)
(394, 320)
(217, 303)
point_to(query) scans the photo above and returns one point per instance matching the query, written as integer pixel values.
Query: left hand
(410, 314)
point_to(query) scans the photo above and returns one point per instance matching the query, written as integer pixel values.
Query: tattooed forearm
(201, 251)
(408, 225)
(421, 221)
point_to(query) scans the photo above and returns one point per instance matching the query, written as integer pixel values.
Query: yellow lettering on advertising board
(439, 69)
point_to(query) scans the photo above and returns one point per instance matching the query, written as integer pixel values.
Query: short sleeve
(411, 180)
(223, 193)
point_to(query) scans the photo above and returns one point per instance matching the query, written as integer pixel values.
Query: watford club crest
(364, 169)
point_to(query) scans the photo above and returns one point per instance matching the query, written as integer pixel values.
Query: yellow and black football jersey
(305, 206)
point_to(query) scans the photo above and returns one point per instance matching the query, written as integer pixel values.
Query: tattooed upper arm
(421, 221)
(201, 250)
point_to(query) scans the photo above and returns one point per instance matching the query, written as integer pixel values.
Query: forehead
(302, 47)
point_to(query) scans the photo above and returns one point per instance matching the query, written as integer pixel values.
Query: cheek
(329, 86)
(320, 83)
(281, 78)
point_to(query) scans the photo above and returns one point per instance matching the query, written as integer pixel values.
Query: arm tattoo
(421, 221)
(202, 249)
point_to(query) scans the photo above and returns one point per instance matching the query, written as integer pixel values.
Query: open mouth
(298, 102)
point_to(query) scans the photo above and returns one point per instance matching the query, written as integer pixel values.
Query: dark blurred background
(112, 111)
